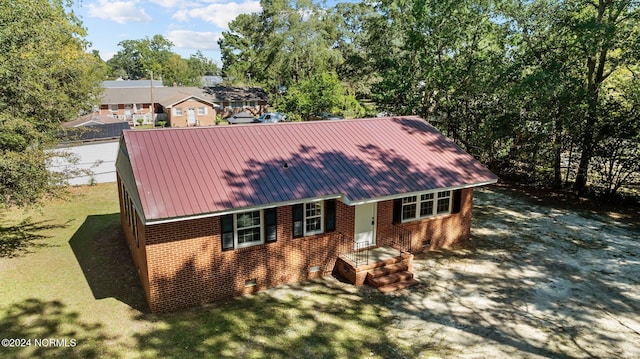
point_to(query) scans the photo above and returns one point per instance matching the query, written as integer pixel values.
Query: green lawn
(67, 275)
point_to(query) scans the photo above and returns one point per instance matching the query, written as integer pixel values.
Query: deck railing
(358, 253)
(401, 239)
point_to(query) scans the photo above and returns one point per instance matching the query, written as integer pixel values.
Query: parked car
(327, 116)
(271, 117)
(241, 117)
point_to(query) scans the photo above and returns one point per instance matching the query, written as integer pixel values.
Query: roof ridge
(289, 123)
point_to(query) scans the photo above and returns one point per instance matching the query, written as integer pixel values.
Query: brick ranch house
(178, 106)
(214, 212)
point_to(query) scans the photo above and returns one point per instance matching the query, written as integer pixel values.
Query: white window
(313, 218)
(426, 205)
(202, 111)
(237, 104)
(444, 202)
(409, 208)
(248, 229)
(177, 111)
(113, 108)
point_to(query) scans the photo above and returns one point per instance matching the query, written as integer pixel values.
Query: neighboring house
(92, 119)
(214, 212)
(88, 153)
(178, 106)
(120, 83)
(233, 100)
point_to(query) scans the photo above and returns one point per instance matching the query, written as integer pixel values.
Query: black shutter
(457, 201)
(298, 220)
(330, 215)
(397, 210)
(226, 229)
(270, 225)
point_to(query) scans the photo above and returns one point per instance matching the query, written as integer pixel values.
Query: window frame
(268, 225)
(327, 216)
(260, 226)
(177, 111)
(445, 195)
(431, 198)
(319, 216)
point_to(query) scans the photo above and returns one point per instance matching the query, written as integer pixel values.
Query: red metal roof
(203, 170)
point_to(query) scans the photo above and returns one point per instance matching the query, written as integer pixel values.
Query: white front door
(191, 116)
(365, 226)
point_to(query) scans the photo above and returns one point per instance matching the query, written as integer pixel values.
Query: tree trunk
(595, 77)
(587, 142)
(557, 148)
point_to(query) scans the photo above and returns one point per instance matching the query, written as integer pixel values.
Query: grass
(71, 279)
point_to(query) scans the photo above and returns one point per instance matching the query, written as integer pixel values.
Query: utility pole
(152, 104)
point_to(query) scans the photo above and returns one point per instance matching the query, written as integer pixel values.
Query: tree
(357, 69)
(45, 73)
(138, 58)
(442, 60)
(286, 43)
(46, 77)
(571, 49)
(605, 34)
(321, 93)
(202, 66)
(617, 154)
(176, 71)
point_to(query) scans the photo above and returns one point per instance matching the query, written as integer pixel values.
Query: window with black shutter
(457, 201)
(330, 215)
(397, 210)
(270, 225)
(226, 225)
(298, 220)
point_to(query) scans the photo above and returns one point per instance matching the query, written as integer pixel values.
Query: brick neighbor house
(214, 212)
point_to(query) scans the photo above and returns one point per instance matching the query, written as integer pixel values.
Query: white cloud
(219, 14)
(168, 3)
(119, 11)
(181, 15)
(185, 39)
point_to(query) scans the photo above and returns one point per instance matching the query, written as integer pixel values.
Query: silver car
(271, 117)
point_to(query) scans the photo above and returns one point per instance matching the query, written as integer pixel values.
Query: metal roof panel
(194, 171)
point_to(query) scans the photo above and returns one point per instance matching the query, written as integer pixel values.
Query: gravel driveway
(539, 281)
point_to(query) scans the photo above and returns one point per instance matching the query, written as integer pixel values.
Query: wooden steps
(390, 277)
(397, 285)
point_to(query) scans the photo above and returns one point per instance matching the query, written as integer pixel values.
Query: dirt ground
(538, 281)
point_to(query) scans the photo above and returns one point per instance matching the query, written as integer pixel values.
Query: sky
(191, 25)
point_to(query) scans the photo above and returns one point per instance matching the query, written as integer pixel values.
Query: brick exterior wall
(208, 119)
(182, 264)
(138, 252)
(430, 233)
(187, 265)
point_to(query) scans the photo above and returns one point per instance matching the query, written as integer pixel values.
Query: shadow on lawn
(49, 330)
(317, 319)
(102, 253)
(19, 239)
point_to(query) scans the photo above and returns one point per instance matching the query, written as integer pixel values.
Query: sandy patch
(538, 282)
